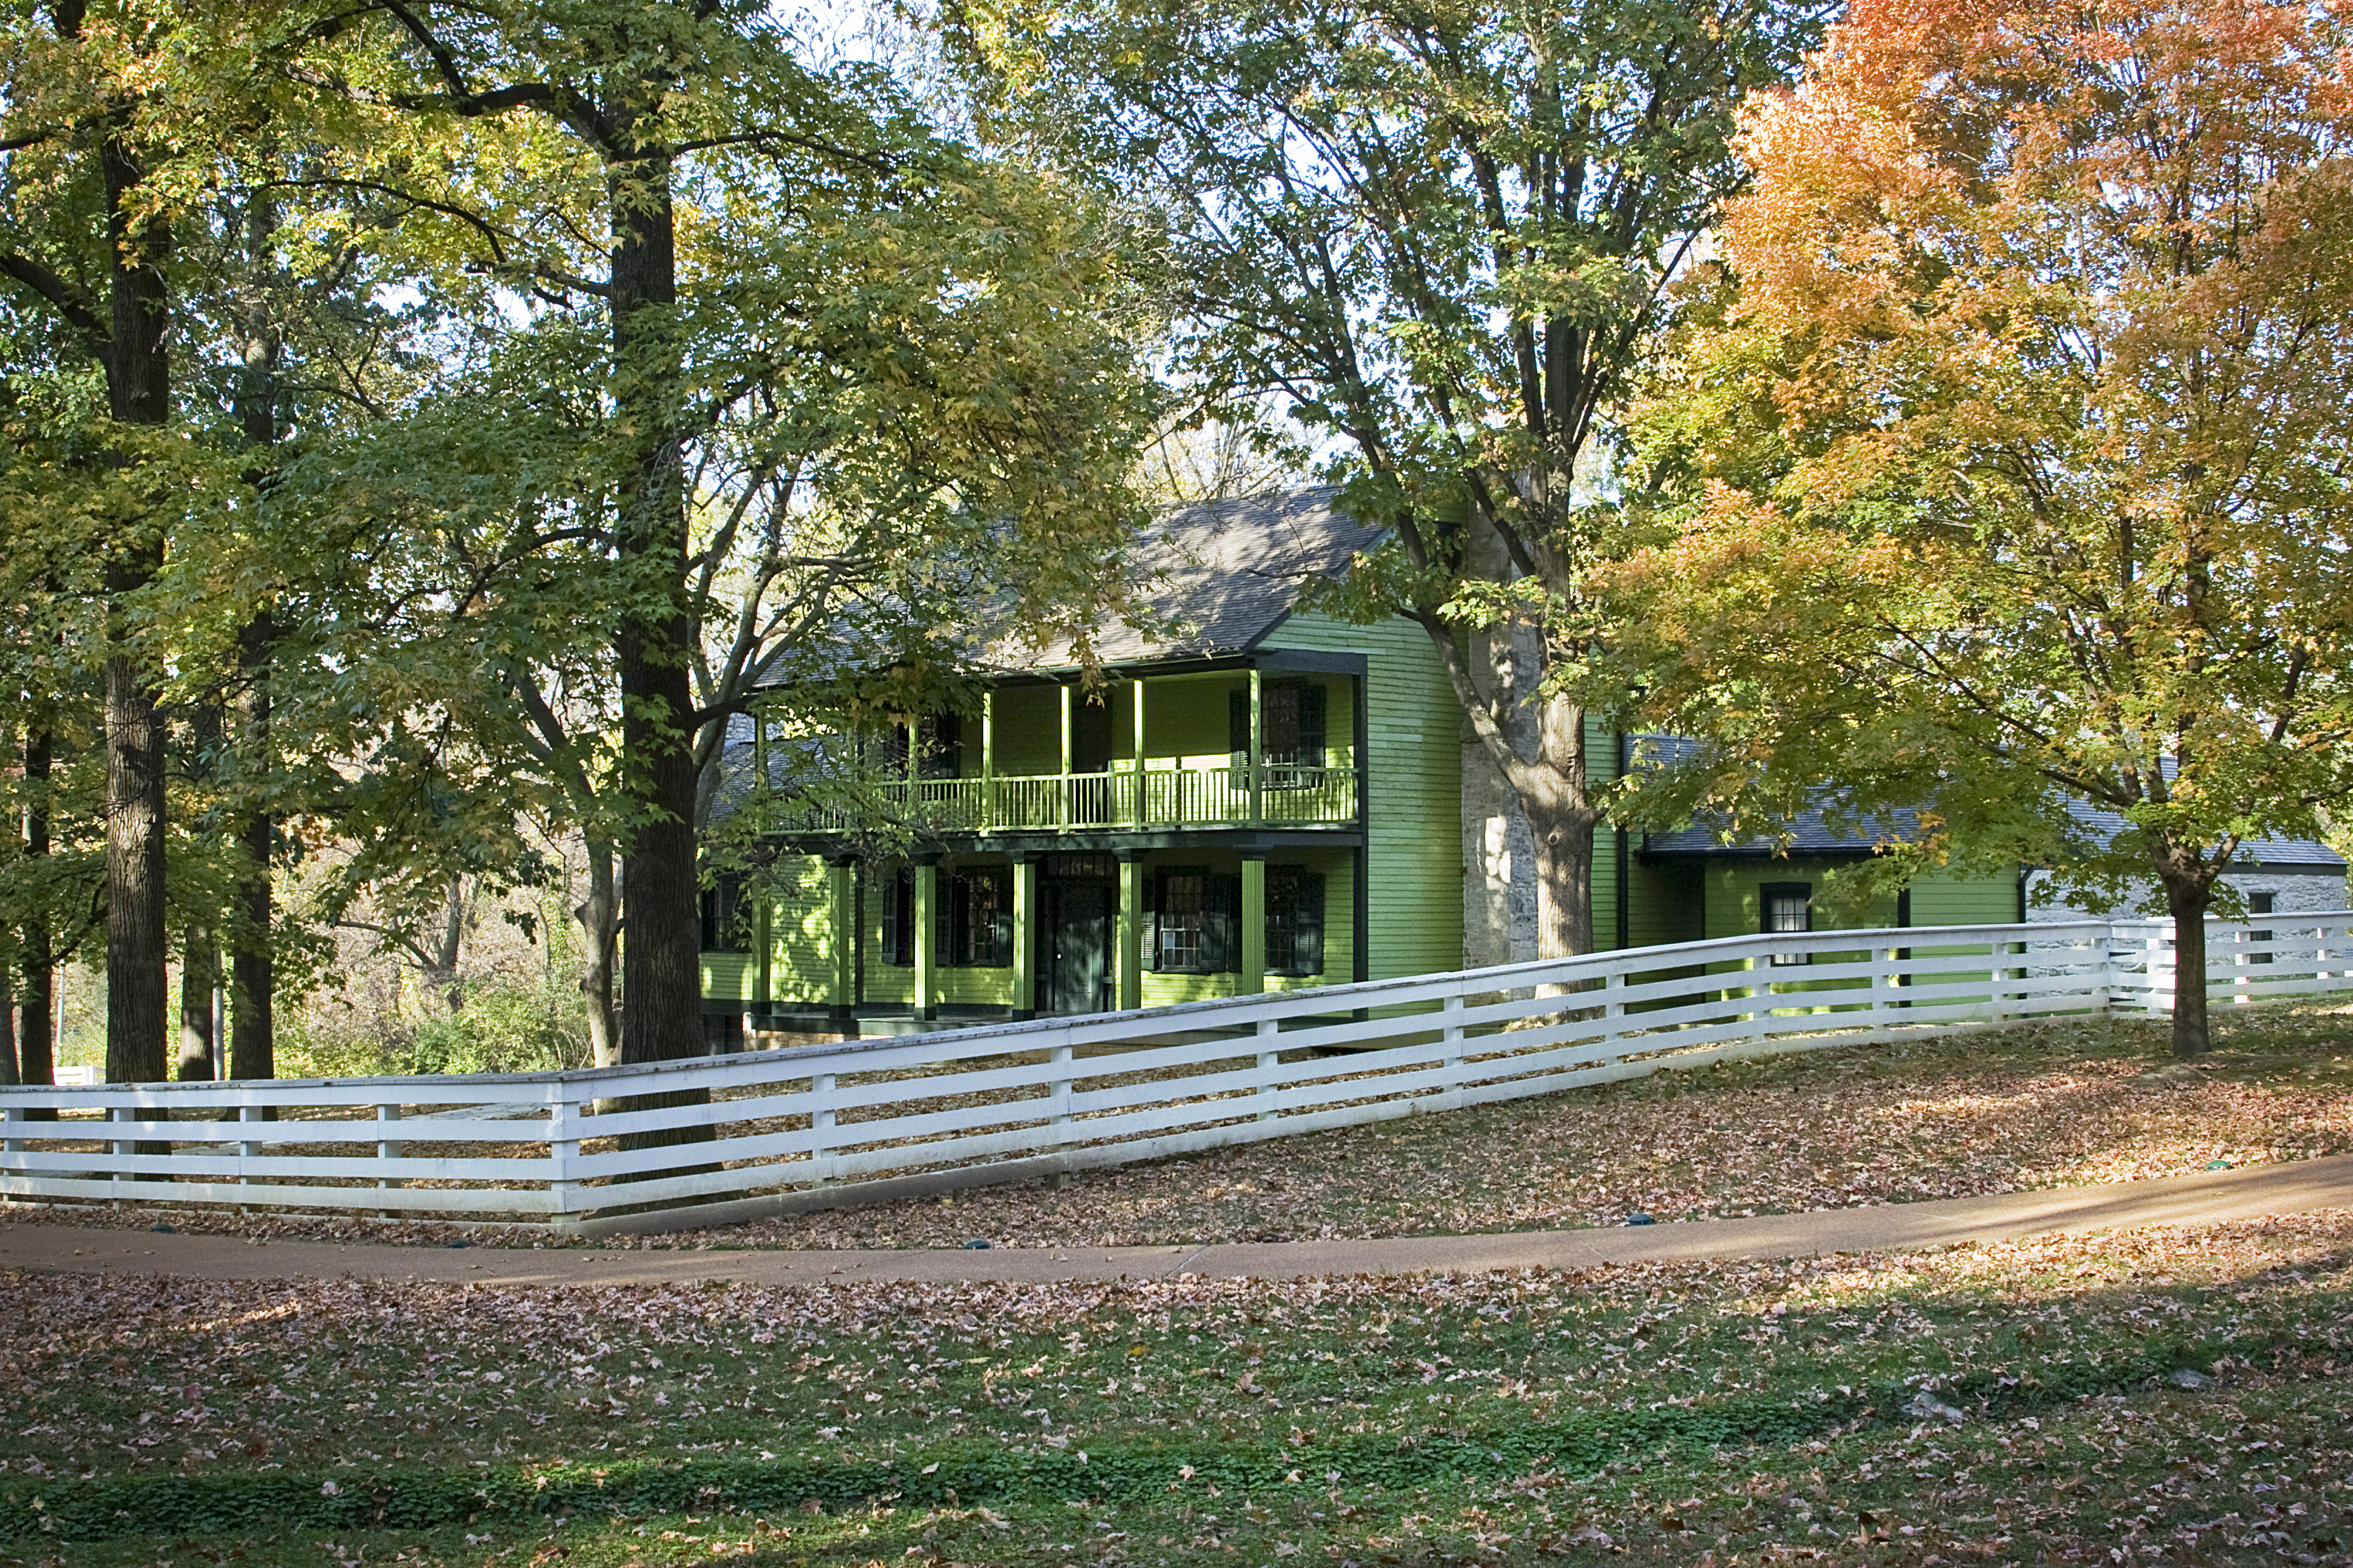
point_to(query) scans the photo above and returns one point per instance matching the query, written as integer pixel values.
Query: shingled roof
(1220, 577)
(1811, 835)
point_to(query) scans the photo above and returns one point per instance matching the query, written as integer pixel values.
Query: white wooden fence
(726, 1138)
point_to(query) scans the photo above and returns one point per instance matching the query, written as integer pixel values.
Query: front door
(1076, 973)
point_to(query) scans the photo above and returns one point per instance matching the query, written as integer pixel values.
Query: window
(939, 748)
(898, 916)
(1291, 732)
(1294, 920)
(727, 915)
(1788, 907)
(2259, 904)
(1193, 921)
(976, 919)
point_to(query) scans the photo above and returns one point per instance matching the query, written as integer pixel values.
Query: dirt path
(2205, 1198)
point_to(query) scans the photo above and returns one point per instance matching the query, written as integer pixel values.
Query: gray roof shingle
(1220, 577)
(1810, 834)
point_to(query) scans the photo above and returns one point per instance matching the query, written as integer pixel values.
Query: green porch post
(841, 925)
(1129, 961)
(988, 759)
(927, 909)
(1252, 978)
(1070, 729)
(1257, 748)
(1025, 936)
(1142, 812)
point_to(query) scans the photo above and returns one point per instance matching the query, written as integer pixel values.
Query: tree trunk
(8, 1021)
(253, 1041)
(199, 977)
(36, 997)
(138, 385)
(662, 961)
(599, 915)
(2187, 896)
(253, 1045)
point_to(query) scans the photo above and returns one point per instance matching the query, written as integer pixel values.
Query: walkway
(2205, 1198)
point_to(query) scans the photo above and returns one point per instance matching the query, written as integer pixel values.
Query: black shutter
(1238, 725)
(1000, 932)
(1308, 955)
(1311, 728)
(1222, 948)
(948, 897)
(711, 919)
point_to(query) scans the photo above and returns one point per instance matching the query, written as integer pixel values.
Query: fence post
(1451, 1039)
(1268, 1057)
(1058, 1097)
(1613, 1011)
(821, 1126)
(123, 1148)
(563, 1156)
(388, 1149)
(12, 1117)
(247, 1149)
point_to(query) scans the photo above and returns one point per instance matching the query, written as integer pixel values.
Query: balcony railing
(1122, 798)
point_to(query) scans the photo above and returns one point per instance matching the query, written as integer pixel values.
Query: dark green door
(1075, 975)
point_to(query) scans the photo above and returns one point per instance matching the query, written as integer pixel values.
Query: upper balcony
(1285, 795)
(1232, 748)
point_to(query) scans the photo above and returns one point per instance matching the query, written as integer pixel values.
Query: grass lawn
(2065, 1103)
(2164, 1396)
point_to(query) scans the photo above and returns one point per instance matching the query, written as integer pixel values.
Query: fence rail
(724, 1138)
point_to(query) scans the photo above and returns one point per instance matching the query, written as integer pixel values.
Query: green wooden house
(1257, 798)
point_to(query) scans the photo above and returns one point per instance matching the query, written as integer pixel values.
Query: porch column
(842, 921)
(1025, 936)
(1252, 978)
(988, 759)
(1128, 961)
(1257, 748)
(927, 912)
(1143, 810)
(1069, 732)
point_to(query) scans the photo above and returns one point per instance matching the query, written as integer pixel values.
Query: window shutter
(1310, 916)
(949, 895)
(1311, 727)
(1238, 725)
(710, 920)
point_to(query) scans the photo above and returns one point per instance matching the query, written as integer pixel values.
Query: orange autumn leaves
(2019, 405)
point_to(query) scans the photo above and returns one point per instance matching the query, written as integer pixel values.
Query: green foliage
(501, 1026)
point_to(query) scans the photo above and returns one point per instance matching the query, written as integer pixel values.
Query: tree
(2023, 437)
(1441, 233)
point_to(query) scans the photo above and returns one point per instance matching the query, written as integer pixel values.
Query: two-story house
(1257, 798)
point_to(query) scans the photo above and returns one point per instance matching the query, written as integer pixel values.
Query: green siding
(1938, 899)
(1664, 901)
(1414, 835)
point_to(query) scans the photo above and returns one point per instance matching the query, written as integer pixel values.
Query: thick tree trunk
(599, 916)
(2187, 897)
(199, 977)
(136, 1002)
(138, 379)
(662, 1019)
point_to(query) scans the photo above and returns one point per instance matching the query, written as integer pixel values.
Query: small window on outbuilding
(1787, 907)
(2260, 904)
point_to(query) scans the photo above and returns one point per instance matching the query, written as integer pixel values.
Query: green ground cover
(1983, 1403)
